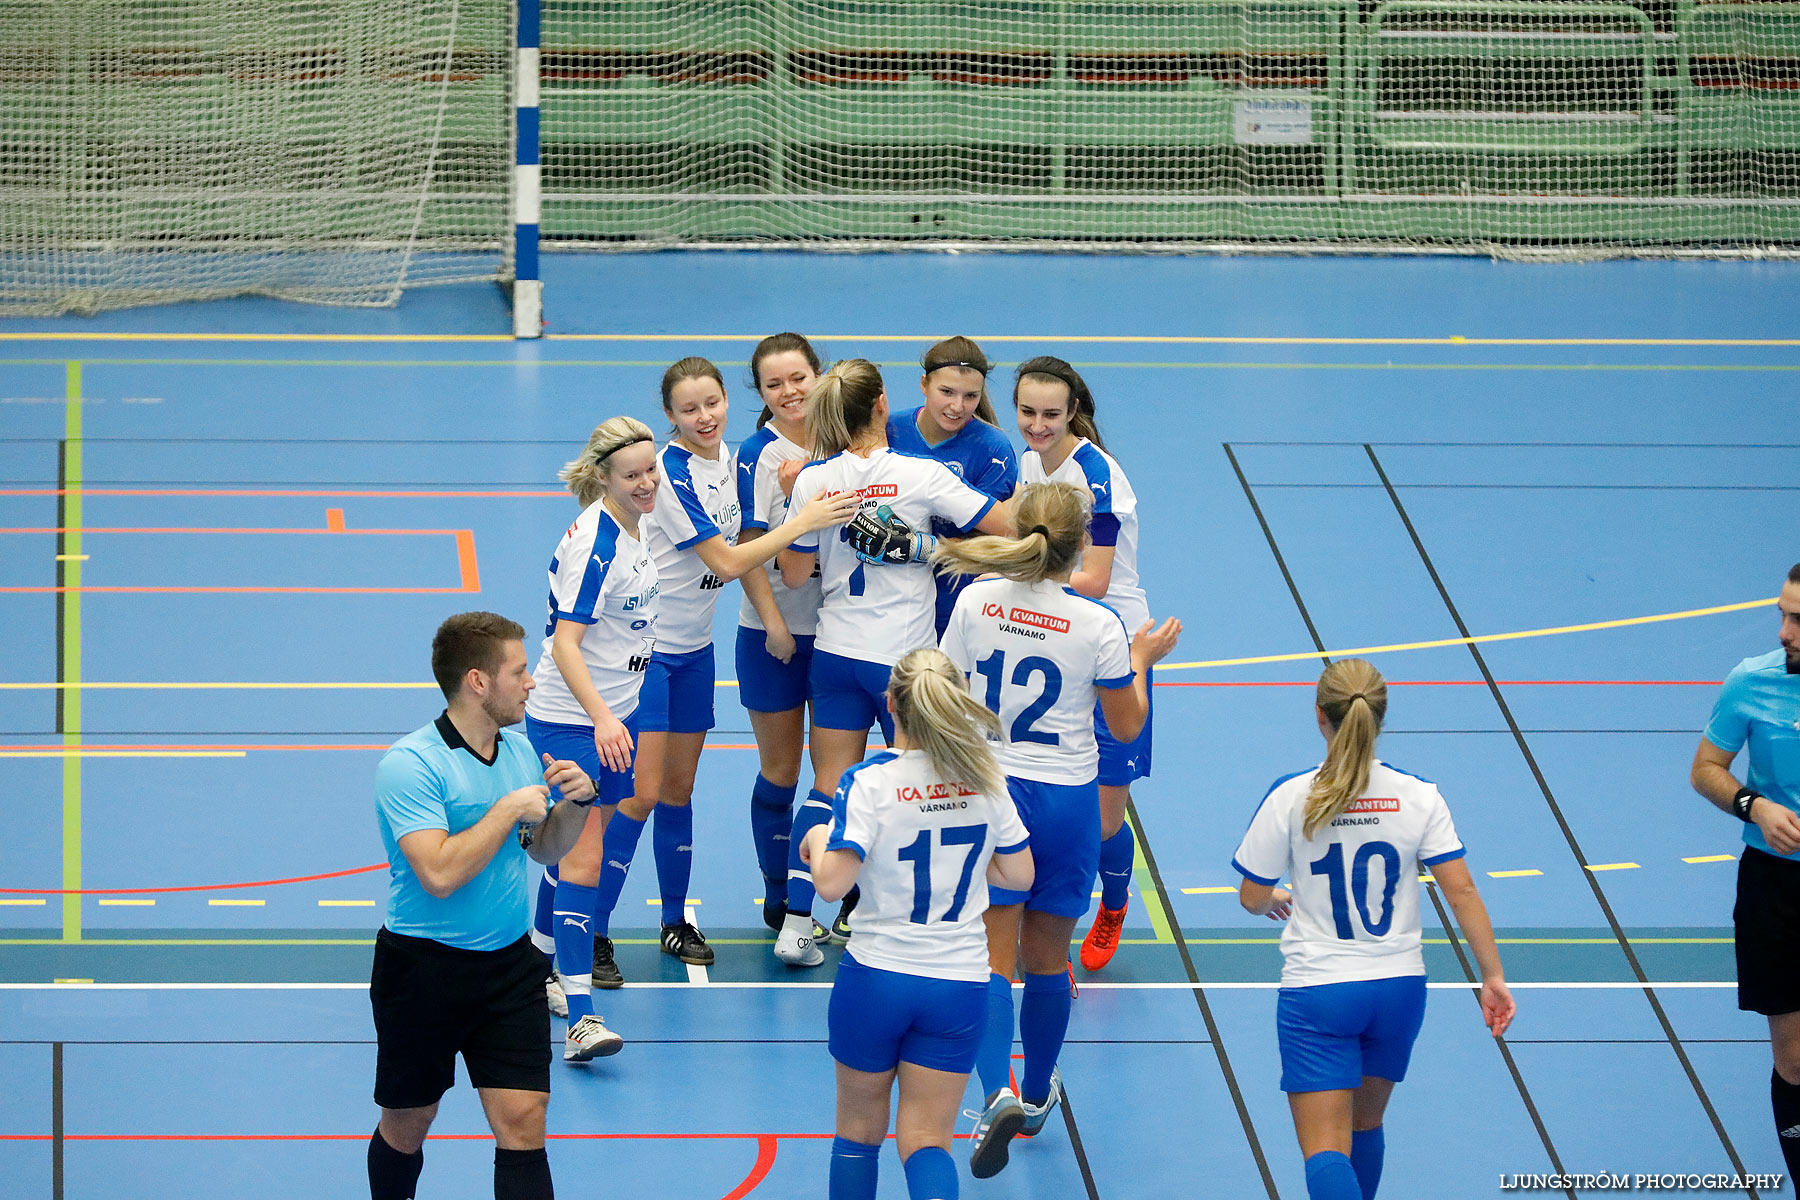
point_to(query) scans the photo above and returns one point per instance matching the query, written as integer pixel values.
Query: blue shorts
(1064, 822)
(1122, 762)
(1333, 1034)
(765, 683)
(678, 692)
(576, 743)
(849, 693)
(879, 1019)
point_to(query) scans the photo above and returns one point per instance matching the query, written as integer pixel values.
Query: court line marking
(68, 651)
(91, 752)
(1477, 639)
(205, 887)
(772, 985)
(926, 338)
(1144, 364)
(469, 574)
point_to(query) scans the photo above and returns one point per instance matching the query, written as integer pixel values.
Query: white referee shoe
(588, 1039)
(795, 945)
(553, 995)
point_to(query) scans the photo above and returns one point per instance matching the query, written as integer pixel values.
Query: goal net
(333, 151)
(1561, 128)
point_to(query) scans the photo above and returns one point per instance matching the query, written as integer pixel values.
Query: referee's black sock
(1784, 1097)
(522, 1175)
(392, 1175)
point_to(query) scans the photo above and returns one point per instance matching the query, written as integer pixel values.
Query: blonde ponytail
(841, 405)
(1051, 519)
(1353, 697)
(932, 704)
(586, 472)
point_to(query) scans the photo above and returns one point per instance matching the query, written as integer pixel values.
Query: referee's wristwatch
(595, 784)
(1740, 803)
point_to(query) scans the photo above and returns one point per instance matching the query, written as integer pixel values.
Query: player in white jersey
(1352, 835)
(597, 643)
(774, 655)
(925, 827)
(1042, 656)
(878, 595)
(692, 534)
(1056, 419)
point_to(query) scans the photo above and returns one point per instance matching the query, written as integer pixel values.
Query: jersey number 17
(918, 853)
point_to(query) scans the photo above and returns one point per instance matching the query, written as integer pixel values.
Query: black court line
(1081, 1158)
(1568, 832)
(1449, 929)
(62, 566)
(56, 1121)
(1206, 1014)
(1506, 1054)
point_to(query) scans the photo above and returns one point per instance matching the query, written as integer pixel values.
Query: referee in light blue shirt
(1759, 710)
(461, 803)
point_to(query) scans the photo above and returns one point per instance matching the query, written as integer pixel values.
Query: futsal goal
(332, 151)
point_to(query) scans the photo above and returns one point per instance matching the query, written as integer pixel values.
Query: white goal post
(325, 151)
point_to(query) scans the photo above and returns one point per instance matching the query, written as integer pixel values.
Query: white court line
(752, 985)
(696, 974)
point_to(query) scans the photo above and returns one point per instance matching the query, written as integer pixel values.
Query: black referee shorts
(1767, 916)
(434, 1001)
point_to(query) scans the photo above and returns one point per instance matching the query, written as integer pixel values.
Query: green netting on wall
(1520, 127)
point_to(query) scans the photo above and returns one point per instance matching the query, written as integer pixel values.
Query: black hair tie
(1039, 529)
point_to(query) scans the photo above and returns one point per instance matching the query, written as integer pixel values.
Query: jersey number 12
(918, 853)
(993, 669)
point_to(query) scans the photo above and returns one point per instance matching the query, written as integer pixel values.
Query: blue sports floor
(229, 530)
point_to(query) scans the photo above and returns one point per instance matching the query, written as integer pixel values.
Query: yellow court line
(79, 752)
(1615, 866)
(237, 903)
(1513, 874)
(1209, 891)
(1479, 639)
(1706, 858)
(1085, 339)
(126, 903)
(12, 903)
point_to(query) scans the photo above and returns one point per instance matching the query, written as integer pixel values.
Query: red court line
(766, 1147)
(326, 493)
(435, 1137)
(209, 887)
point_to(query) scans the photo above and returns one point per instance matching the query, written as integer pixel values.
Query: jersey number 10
(1332, 867)
(918, 853)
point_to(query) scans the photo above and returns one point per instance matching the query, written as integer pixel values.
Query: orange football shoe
(1103, 939)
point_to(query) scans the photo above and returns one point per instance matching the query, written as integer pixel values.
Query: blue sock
(930, 1174)
(816, 811)
(771, 820)
(1043, 1022)
(993, 1061)
(1116, 855)
(575, 945)
(616, 852)
(543, 915)
(674, 842)
(1329, 1176)
(854, 1166)
(1367, 1148)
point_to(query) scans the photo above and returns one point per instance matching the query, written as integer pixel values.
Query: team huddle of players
(904, 569)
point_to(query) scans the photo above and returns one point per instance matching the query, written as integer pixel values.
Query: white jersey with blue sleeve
(763, 506)
(925, 846)
(1112, 521)
(1035, 653)
(697, 500)
(603, 578)
(1355, 885)
(880, 612)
